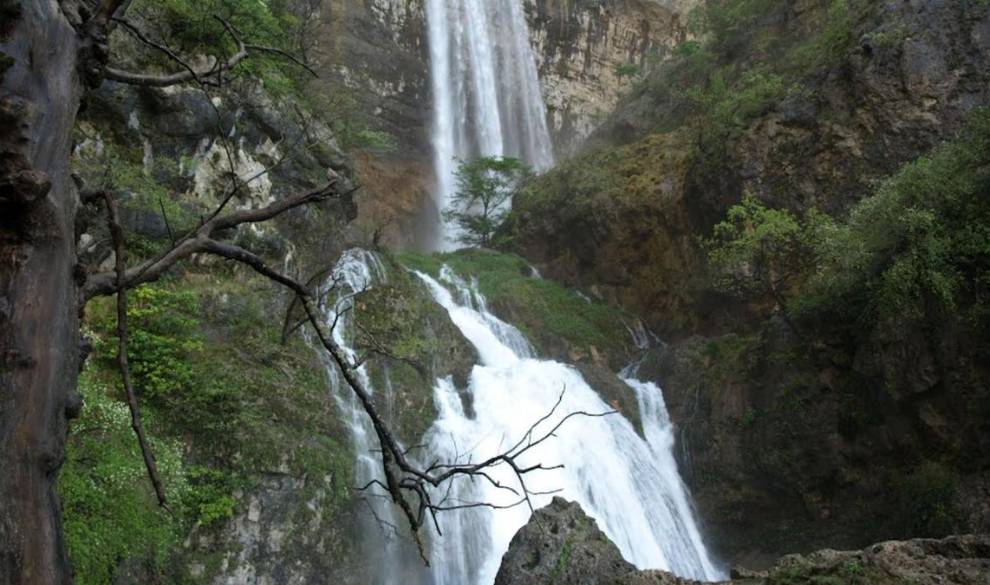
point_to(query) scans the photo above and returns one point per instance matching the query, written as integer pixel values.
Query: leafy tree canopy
(485, 188)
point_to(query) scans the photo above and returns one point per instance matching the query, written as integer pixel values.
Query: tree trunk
(39, 330)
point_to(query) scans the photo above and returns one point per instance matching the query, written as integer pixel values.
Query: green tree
(485, 188)
(758, 251)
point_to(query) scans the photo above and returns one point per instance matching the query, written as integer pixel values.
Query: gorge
(747, 279)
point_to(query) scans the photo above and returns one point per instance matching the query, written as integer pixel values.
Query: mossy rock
(412, 343)
(557, 321)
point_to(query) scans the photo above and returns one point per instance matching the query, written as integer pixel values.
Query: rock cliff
(789, 441)
(374, 56)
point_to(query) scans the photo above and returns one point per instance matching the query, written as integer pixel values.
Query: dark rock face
(561, 545)
(786, 451)
(908, 85)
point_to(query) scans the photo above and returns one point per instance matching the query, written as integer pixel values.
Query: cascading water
(486, 91)
(629, 485)
(487, 102)
(627, 482)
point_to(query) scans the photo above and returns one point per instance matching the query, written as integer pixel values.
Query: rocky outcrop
(786, 449)
(374, 60)
(562, 545)
(166, 150)
(827, 139)
(590, 54)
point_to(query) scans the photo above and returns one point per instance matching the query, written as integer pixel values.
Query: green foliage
(6, 62)
(729, 23)
(544, 311)
(920, 245)
(485, 188)
(349, 115)
(927, 501)
(375, 141)
(763, 251)
(164, 334)
(210, 498)
(192, 26)
(744, 62)
(836, 38)
(110, 509)
(223, 403)
(626, 70)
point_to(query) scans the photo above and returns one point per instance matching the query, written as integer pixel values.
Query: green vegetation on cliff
(556, 320)
(225, 404)
(917, 248)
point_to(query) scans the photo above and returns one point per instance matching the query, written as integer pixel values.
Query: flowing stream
(486, 91)
(627, 482)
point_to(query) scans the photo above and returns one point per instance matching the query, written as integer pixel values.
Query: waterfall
(627, 482)
(486, 91)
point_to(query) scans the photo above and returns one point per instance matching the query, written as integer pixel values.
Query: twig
(117, 233)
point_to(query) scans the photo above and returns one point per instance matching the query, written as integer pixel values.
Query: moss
(413, 343)
(556, 320)
(850, 571)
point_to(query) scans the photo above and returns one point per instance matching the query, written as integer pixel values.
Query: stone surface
(562, 545)
(787, 452)
(590, 54)
(374, 55)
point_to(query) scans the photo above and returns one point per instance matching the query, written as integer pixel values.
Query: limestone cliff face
(374, 55)
(589, 55)
(373, 59)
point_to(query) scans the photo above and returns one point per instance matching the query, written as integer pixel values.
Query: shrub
(485, 188)
(921, 243)
(164, 334)
(758, 251)
(110, 509)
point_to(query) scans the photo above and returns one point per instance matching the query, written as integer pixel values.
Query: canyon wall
(374, 55)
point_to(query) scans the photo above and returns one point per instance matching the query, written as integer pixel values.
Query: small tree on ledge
(485, 188)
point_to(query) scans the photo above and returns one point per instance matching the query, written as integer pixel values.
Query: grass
(543, 310)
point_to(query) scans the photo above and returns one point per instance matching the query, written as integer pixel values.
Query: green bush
(192, 27)
(111, 512)
(164, 335)
(224, 403)
(920, 245)
(926, 498)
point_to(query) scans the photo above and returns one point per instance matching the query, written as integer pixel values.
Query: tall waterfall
(627, 482)
(486, 91)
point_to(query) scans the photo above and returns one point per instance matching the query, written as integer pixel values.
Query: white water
(628, 484)
(356, 271)
(486, 91)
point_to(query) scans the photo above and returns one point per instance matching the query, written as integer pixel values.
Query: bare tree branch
(117, 233)
(210, 75)
(202, 238)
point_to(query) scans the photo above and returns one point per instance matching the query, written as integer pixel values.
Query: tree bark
(39, 330)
